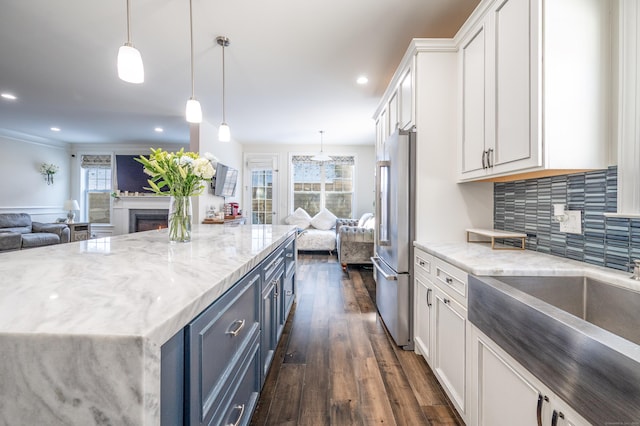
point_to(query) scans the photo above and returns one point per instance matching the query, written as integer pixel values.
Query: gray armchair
(355, 243)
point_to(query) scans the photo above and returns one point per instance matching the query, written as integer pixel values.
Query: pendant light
(130, 68)
(321, 156)
(194, 111)
(224, 133)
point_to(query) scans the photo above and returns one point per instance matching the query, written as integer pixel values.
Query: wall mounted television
(224, 182)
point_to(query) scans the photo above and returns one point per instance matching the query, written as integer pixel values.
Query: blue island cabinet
(212, 371)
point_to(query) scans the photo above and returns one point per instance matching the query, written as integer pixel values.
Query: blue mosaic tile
(526, 206)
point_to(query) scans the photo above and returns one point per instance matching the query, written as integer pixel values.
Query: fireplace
(147, 219)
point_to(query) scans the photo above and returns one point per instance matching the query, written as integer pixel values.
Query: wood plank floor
(336, 364)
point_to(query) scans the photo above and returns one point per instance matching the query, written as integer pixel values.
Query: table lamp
(71, 205)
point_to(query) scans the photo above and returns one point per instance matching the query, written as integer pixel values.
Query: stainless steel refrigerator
(395, 231)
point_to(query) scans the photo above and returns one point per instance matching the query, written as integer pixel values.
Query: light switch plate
(573, 224)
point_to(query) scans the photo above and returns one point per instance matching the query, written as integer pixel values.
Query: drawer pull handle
(237, 422)
(239, 326)
(289, 292)
(428, 297)
(421, 263)
(541, 400)
(289, 255)
(449, 280)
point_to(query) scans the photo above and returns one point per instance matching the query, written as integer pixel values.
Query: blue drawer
(244, 391)
(216, 340)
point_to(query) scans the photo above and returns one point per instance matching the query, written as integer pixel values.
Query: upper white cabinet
(405, 108)
(535, 88)
(423, 96)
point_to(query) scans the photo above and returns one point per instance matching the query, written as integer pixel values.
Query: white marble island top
(81, 324)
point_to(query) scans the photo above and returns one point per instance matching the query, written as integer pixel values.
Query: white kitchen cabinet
(392, 114)
(405, 107)
(426, 83)
(503, 393)
(423, 305)
(440, 324)
(449, 361)
(522, 114)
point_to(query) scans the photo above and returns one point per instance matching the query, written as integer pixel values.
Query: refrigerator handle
(388, 277)
(382, 202)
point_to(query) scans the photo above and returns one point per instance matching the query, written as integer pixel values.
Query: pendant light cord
(193, 85)
(224, 120)
(128, 23)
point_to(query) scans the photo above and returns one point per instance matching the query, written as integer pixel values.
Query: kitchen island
(82, 324)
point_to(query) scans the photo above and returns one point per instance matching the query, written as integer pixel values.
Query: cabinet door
(269, 322)
(450, 347)
(504, 396)
(405, 106)
(392, 114)
(423, 313)
(472, 58)
(515, 85)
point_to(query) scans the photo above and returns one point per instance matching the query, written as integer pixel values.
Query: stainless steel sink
(612, 308)
(579, 336)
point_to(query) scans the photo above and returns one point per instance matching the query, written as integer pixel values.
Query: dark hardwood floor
(336, 364)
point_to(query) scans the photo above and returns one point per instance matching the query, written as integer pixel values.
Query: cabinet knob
(289, 292)
(421, 263)
(446, 301)
(449, 280)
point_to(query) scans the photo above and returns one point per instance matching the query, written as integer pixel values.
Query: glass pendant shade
(194, 111)
(224, 133)
(130, 68)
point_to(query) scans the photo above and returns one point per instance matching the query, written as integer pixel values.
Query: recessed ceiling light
(55, 129)
(159, 129)
(9, 96)
(362, 80)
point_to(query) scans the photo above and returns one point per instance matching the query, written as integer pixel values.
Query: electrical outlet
(573, 224)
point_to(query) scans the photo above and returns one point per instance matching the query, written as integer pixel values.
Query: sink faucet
(636, 270)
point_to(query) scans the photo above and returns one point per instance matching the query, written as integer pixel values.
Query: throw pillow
(370, 223)
(364, 219)
(300, 218)
(324, 220)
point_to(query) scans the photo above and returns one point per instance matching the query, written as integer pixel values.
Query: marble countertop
(97, 311)
(479, 259)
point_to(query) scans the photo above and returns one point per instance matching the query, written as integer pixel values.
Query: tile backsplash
(527, 206)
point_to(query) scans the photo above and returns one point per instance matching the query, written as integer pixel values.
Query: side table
(80, 231)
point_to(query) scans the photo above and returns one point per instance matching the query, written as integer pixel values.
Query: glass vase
(180, 219)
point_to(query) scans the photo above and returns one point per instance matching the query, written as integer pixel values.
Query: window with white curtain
(327, 184)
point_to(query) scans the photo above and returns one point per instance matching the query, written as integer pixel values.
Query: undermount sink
(578, 335)
(612, 308)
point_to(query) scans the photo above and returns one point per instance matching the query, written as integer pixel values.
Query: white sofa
(312, 239)
(321, 233)
(314, 233)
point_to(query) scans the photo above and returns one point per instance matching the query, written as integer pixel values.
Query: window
(97, 187)
(261, 196)
(323, 184)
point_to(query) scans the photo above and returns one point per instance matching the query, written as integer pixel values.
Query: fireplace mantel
(122, 205)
